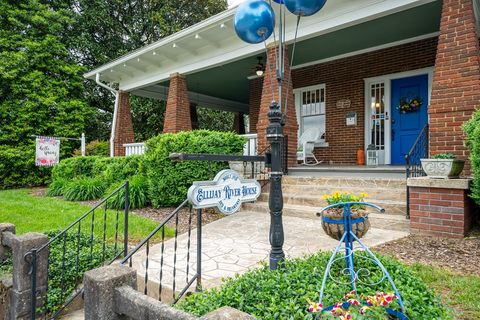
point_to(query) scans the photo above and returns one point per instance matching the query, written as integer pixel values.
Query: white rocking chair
(307, 143)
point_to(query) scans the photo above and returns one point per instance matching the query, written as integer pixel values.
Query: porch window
(311, 109)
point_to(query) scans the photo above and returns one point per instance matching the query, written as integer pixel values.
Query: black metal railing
(98, 237)
(165, 264)
(413, 164)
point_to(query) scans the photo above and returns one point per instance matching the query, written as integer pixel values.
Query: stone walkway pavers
(239, 242)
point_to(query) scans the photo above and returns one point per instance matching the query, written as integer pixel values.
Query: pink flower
(337, 309)
(346, 316)
(354, 302)
(315, 307)
(351, 294)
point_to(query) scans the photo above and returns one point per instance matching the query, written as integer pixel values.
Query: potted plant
(335, 230)
(443, 166)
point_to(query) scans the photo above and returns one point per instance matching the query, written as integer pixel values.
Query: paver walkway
(239, 242)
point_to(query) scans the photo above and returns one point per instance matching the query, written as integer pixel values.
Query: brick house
(355, 58)
(359, 60)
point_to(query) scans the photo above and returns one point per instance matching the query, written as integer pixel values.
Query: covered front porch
(355, 64)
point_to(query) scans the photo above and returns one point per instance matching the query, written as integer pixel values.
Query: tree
(41, 87)
(106, 29)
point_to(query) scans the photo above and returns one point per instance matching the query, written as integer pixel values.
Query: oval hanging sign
(227, 192)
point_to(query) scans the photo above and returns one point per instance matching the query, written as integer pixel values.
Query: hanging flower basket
(332, 222)
(332, 219)
(409, 105)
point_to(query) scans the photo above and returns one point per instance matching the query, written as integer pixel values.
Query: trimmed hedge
(168, 180)
(285, 293)
(472, 132)
(17, 168)
(154, 177)
(95, 148)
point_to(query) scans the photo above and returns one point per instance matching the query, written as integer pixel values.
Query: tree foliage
(126, 25)
(41, 87)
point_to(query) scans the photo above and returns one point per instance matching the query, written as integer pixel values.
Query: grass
(459, 292)
(44, 214)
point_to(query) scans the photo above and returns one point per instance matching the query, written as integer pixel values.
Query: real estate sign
(47, 151)
(227, 192)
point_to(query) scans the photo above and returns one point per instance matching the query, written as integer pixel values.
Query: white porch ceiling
(213, 44)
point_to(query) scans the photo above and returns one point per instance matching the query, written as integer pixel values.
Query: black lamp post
(254, 23)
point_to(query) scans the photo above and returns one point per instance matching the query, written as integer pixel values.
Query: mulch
(457, 255)
(159, 215)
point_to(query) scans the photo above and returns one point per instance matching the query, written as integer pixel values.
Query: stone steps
(378, 220)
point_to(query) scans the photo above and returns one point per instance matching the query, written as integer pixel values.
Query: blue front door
(407, 124)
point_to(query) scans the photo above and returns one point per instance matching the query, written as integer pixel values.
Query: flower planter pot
(442, 168)
(335, 230)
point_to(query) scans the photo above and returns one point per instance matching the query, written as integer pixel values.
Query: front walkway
(239, 242)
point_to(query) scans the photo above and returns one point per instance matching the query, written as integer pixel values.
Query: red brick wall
(343, 79)
(440, 212)
(291, 126)
(456, 83)
(177, 113)
(123, 124)
(256, 86)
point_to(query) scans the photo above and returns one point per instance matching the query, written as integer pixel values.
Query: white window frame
(298, 104)
(387, 81)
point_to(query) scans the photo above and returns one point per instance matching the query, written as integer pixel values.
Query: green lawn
(459, 292)
(42, 214)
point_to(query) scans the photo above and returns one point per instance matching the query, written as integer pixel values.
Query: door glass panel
(377, 115)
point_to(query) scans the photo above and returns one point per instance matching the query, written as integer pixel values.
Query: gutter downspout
(115, 110)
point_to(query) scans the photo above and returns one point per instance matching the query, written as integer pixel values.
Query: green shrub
(17, 168)
(72, 277)
(84, 188)
(75, 167)
(449, 156)
(95, 148)
(109, 169)
(472, 132)
(285, 293)
(168, 180)
(56, 188)
(118, 169)
(137, 189)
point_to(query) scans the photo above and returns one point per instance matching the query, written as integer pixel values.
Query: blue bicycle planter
(346, 245)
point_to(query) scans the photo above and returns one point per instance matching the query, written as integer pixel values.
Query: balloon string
(291, 65)
(274, 33)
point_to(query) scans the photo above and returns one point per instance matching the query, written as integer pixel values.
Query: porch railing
(168, 268)
(414, 168)
(134, 148)
(250, 147)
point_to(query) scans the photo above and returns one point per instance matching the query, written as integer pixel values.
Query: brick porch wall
(443, 212)
(291, 127)
(343, 79)
(456, 83)
(123, 125)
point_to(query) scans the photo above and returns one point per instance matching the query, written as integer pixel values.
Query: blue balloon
(304, 8)
(254, 21)
(278, 1)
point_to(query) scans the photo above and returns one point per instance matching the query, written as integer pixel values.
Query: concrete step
(387, 172)
(344, 182)
(397, 194)
(378, 220)
(307, 211)
(317, 201)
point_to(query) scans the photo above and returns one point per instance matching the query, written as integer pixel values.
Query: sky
(233, 2)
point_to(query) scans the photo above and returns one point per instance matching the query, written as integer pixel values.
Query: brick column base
(123, 125)
(177, 113)
(440, 207)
